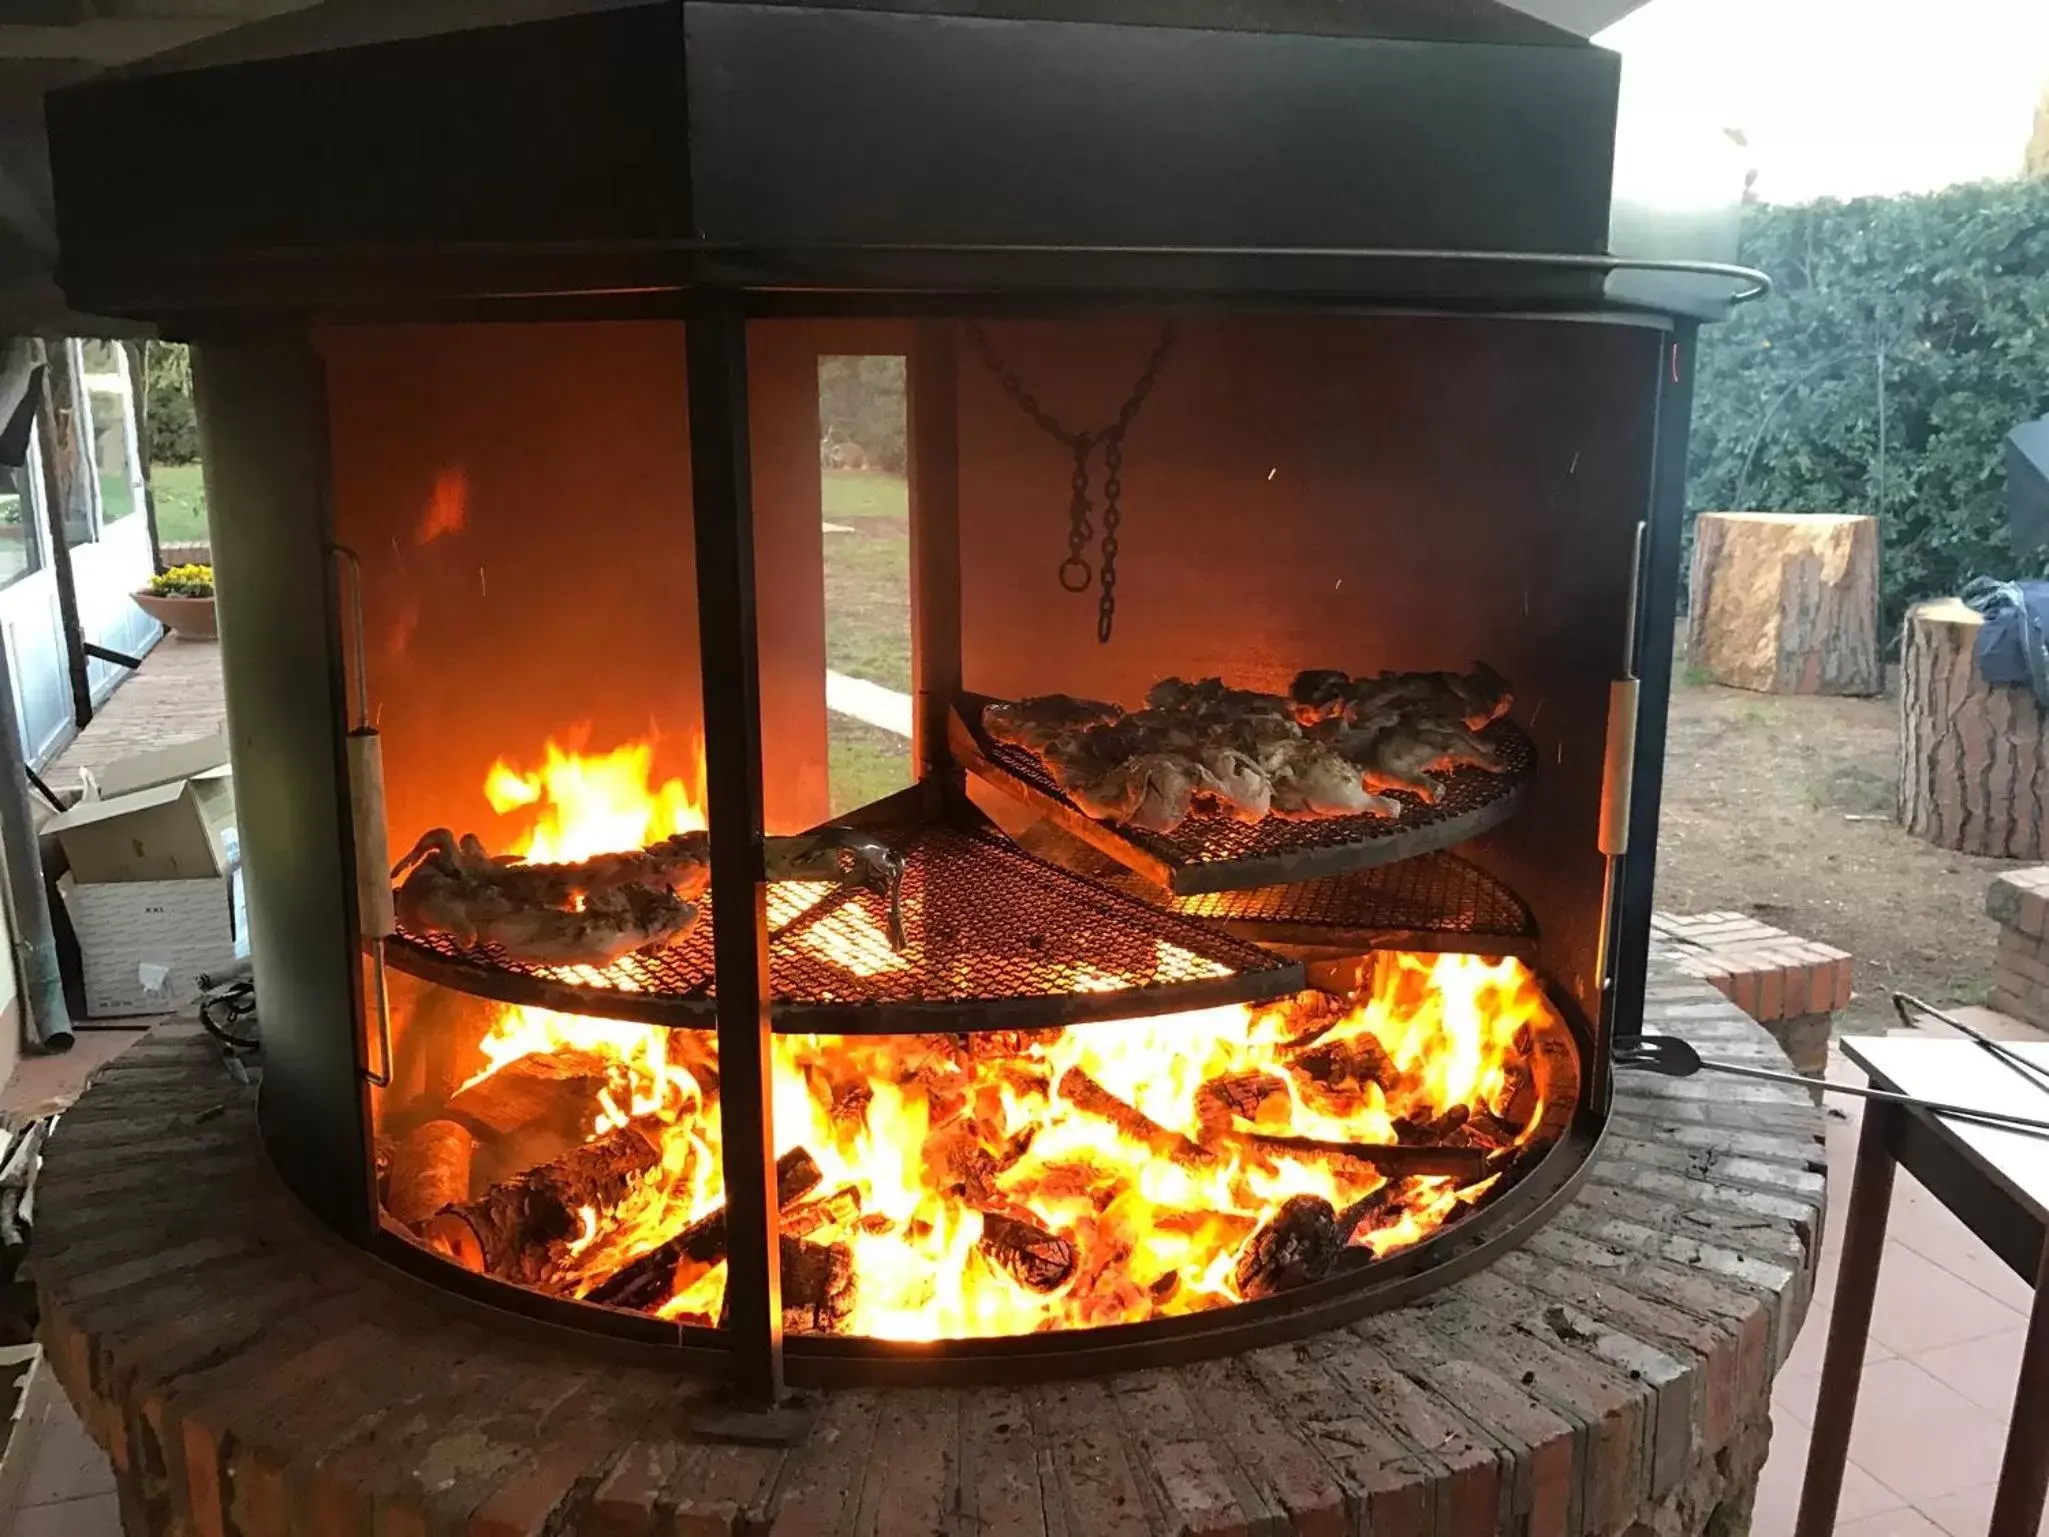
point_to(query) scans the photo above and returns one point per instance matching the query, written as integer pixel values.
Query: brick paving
(174, 697)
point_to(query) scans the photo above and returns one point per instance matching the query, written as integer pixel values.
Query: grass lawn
(181, 503)
(867, 626)
(868, 578)
(863, 763)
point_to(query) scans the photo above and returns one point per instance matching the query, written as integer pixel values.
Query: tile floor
(1939, 1375)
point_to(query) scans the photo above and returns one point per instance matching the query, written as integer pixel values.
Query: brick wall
(2019, 901)
(1612, 1376)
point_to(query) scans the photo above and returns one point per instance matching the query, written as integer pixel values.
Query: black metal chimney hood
(348, 154)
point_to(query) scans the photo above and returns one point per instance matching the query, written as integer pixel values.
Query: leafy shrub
(183, 582)
(173, 425)
(1906, 338)
(861, 401)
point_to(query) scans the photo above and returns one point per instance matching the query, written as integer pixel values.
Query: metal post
(62, 487)
(1842, 1366)
(28, 899)
(2024, 1471)
(1658, 601)
(723, 513)
(935, 553)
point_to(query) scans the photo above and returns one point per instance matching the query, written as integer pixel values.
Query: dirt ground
(1782, 808)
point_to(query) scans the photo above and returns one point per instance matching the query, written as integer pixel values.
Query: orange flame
(935, 1135)
(448, 506)
(596, 804)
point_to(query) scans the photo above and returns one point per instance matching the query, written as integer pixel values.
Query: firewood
(516, 1229)
(1433, 1130)
(649, 1279)
(1968, 750)
(808, 1217)
(1091, 1098)
(430, 1169)
(1351, 1063)
(1297, 1245)
(1241, 1095)
(544, 1086)
(1786, 602)
(1034, 1258)
(1395, 1160)
(818, 1286)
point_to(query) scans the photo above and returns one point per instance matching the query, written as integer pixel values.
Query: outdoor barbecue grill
(1236, 344)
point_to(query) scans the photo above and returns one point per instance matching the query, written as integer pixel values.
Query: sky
(1843, 98)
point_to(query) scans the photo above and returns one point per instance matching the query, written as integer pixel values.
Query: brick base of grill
(252, 1376)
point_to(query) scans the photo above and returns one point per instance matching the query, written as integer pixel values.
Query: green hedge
(173, 428)
(1906, 338)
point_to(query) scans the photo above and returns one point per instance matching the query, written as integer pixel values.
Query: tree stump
(1786, 602)
(1974, 759)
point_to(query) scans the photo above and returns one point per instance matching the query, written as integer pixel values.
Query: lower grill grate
(1434, 902)
(996, 940)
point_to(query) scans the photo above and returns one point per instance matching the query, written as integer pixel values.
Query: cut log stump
(1974, 756)
(1786, 602)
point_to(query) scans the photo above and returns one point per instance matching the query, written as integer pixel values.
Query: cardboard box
(145, 943)
(163, 833)
(200, 757)
(153, 890)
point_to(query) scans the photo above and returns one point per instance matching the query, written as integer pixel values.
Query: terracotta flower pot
(187, 618)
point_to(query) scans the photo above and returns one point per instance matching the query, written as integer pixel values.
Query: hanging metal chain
(1075, 574)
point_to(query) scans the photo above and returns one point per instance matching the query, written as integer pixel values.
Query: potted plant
(182, 599)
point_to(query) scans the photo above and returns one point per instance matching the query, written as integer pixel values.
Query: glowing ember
(947, 1186)
(932, 1138)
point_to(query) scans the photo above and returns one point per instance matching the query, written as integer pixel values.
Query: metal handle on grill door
(375, 917)
(1617, 765)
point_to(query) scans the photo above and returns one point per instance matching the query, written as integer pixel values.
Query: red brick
(624, 1505)
(1743, 992)
(2034, 911)
(259, 1500)
(1771, 995)
(523, 1504)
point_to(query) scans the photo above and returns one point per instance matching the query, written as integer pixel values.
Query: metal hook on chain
(1075, 575)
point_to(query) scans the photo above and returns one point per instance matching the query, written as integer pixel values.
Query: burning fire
(1003, 1183)
(596, 804)
(921, 1141)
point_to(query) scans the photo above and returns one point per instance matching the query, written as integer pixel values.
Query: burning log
(542, 1086)
(430, 1169)
(1395, 1160)
(1238, 1095)
(515, 1229)
(1034, 1258)
(1301, 1242)
(818, 1286)
(1298, 1244)
(649, 1279)
(829, 1211)
(1091, 1098)
(1434, 1130)
(1351, 1063)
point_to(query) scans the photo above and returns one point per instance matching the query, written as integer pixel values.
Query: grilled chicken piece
(1474, 698)
(1310, 780)
(1406, 755)
(1211, 700)
(1242, 789)
(1153, 791)
(1032, 723)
